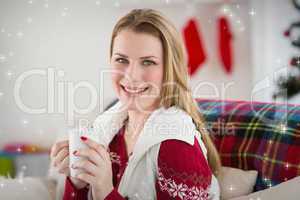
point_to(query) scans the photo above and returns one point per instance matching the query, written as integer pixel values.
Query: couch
(256, 136)
(248, 135)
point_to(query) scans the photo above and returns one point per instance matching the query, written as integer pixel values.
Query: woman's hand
(97, 168)
(60, 161)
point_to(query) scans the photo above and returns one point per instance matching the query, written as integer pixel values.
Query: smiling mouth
(134, 90)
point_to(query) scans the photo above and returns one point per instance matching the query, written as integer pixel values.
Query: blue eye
(148, 62)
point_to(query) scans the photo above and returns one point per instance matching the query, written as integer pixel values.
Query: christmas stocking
(225, 48)
(193, 44)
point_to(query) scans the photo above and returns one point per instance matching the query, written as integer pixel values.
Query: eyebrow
(144, 57)
(121, 55)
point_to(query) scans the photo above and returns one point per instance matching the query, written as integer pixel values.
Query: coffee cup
(75, 143)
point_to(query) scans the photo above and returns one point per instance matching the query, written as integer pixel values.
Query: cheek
(155, 78)
(115, 78)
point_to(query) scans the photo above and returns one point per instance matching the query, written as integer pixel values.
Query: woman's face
(137, 63)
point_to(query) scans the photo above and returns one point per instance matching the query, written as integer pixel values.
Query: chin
(141, 106)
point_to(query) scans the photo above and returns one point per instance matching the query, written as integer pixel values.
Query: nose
(134, 72)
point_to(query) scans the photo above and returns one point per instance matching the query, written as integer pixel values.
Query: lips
(134, 90)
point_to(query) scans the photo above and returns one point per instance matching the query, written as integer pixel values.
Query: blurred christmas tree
(289, 86)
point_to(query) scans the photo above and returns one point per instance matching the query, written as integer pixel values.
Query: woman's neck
(137, 119)
(135, 123)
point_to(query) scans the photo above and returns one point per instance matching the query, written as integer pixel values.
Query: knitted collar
(162, 124)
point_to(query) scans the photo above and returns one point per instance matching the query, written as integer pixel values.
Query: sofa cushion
(287, 190)
(236, 182)
(256, 136)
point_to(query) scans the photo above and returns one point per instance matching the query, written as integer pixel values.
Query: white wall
(74, 40)
(271, 50)
(211, 81)
(73, 37)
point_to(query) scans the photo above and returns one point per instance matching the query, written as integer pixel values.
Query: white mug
(75, 143)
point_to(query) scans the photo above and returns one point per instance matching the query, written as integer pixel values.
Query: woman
(159, 144)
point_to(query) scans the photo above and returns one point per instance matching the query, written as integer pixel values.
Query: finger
(63, 168)
(86, 178)
(64, 171)
(65, 162)
(58, 146)
(90, 154)
(61, 156)
(97, 147)
(87, 166)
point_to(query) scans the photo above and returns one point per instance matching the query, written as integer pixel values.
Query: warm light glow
(282, 128)
(287, 165)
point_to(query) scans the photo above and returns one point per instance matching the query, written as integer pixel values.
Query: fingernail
(83, 138)
(74, 152)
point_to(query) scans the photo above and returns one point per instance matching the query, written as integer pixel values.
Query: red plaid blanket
(256, 136)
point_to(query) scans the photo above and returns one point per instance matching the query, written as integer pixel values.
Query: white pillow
(235, 182)
(23, 189)
(289, 190)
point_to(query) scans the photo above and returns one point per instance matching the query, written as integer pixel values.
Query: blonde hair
(175, 69)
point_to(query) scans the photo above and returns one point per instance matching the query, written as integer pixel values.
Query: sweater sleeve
(71, 192)
(183, 171)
